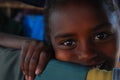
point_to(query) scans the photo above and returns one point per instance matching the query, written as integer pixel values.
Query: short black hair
(51, 5)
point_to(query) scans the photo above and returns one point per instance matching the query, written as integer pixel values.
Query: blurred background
(22, 17)
(25, 17)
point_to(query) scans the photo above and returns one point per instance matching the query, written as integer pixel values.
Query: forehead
(76, 15)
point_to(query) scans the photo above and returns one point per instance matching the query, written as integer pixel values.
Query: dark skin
(79, 33)
(86, 38)
(34, 57)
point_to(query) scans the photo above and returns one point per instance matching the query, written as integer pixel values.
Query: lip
(95, 63)
(101, 65)
(90, 62)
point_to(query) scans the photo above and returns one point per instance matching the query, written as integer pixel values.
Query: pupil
(100, 36)
(69, 43)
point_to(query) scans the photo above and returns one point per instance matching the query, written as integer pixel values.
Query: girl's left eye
(67, 44)
(102, 36)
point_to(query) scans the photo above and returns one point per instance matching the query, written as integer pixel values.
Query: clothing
(116, 73)
(55, 70)
(97, 74)
(58, 70)
(10, 64)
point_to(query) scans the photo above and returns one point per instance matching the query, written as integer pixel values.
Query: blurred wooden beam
(18, 5)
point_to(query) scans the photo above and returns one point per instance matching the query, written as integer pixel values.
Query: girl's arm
(13, 41)
(33, 54)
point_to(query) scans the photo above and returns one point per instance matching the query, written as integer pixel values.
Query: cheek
(109, 50)
(63, 55)
(70, 56)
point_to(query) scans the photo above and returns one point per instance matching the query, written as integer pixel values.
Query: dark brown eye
(101, 36)
(68, 44)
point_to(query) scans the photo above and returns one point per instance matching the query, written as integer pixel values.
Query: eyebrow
(64, 35)
(101, 26)
(98, 27)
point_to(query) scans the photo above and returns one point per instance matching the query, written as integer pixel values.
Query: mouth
(107, 66)
(98, 66)
(104, 66)
(96, 62)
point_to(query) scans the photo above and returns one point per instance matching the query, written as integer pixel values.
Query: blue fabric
(116, 74)
(58, 70)
(34, 26)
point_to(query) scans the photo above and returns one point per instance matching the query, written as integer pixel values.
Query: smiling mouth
(105, 65)
(96, 63)
(98, 66)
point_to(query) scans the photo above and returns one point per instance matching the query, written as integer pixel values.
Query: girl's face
(82, 34)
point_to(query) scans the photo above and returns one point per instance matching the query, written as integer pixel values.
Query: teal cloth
(55, 70)
(58, 70)
(10, 64)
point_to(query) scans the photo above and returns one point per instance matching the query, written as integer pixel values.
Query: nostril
(87, 56)
(86, 52)
(83, 57)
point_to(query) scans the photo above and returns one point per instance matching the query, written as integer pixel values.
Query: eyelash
(103, 36)
(68, 44)
(100, 37)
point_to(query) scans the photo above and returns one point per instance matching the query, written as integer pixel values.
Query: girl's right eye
(68, 44)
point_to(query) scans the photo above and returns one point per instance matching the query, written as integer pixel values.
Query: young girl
(78, 31)
(81, 31)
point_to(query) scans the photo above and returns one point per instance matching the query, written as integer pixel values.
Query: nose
(86, 51)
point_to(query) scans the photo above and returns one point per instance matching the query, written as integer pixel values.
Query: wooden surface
(18, 5)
